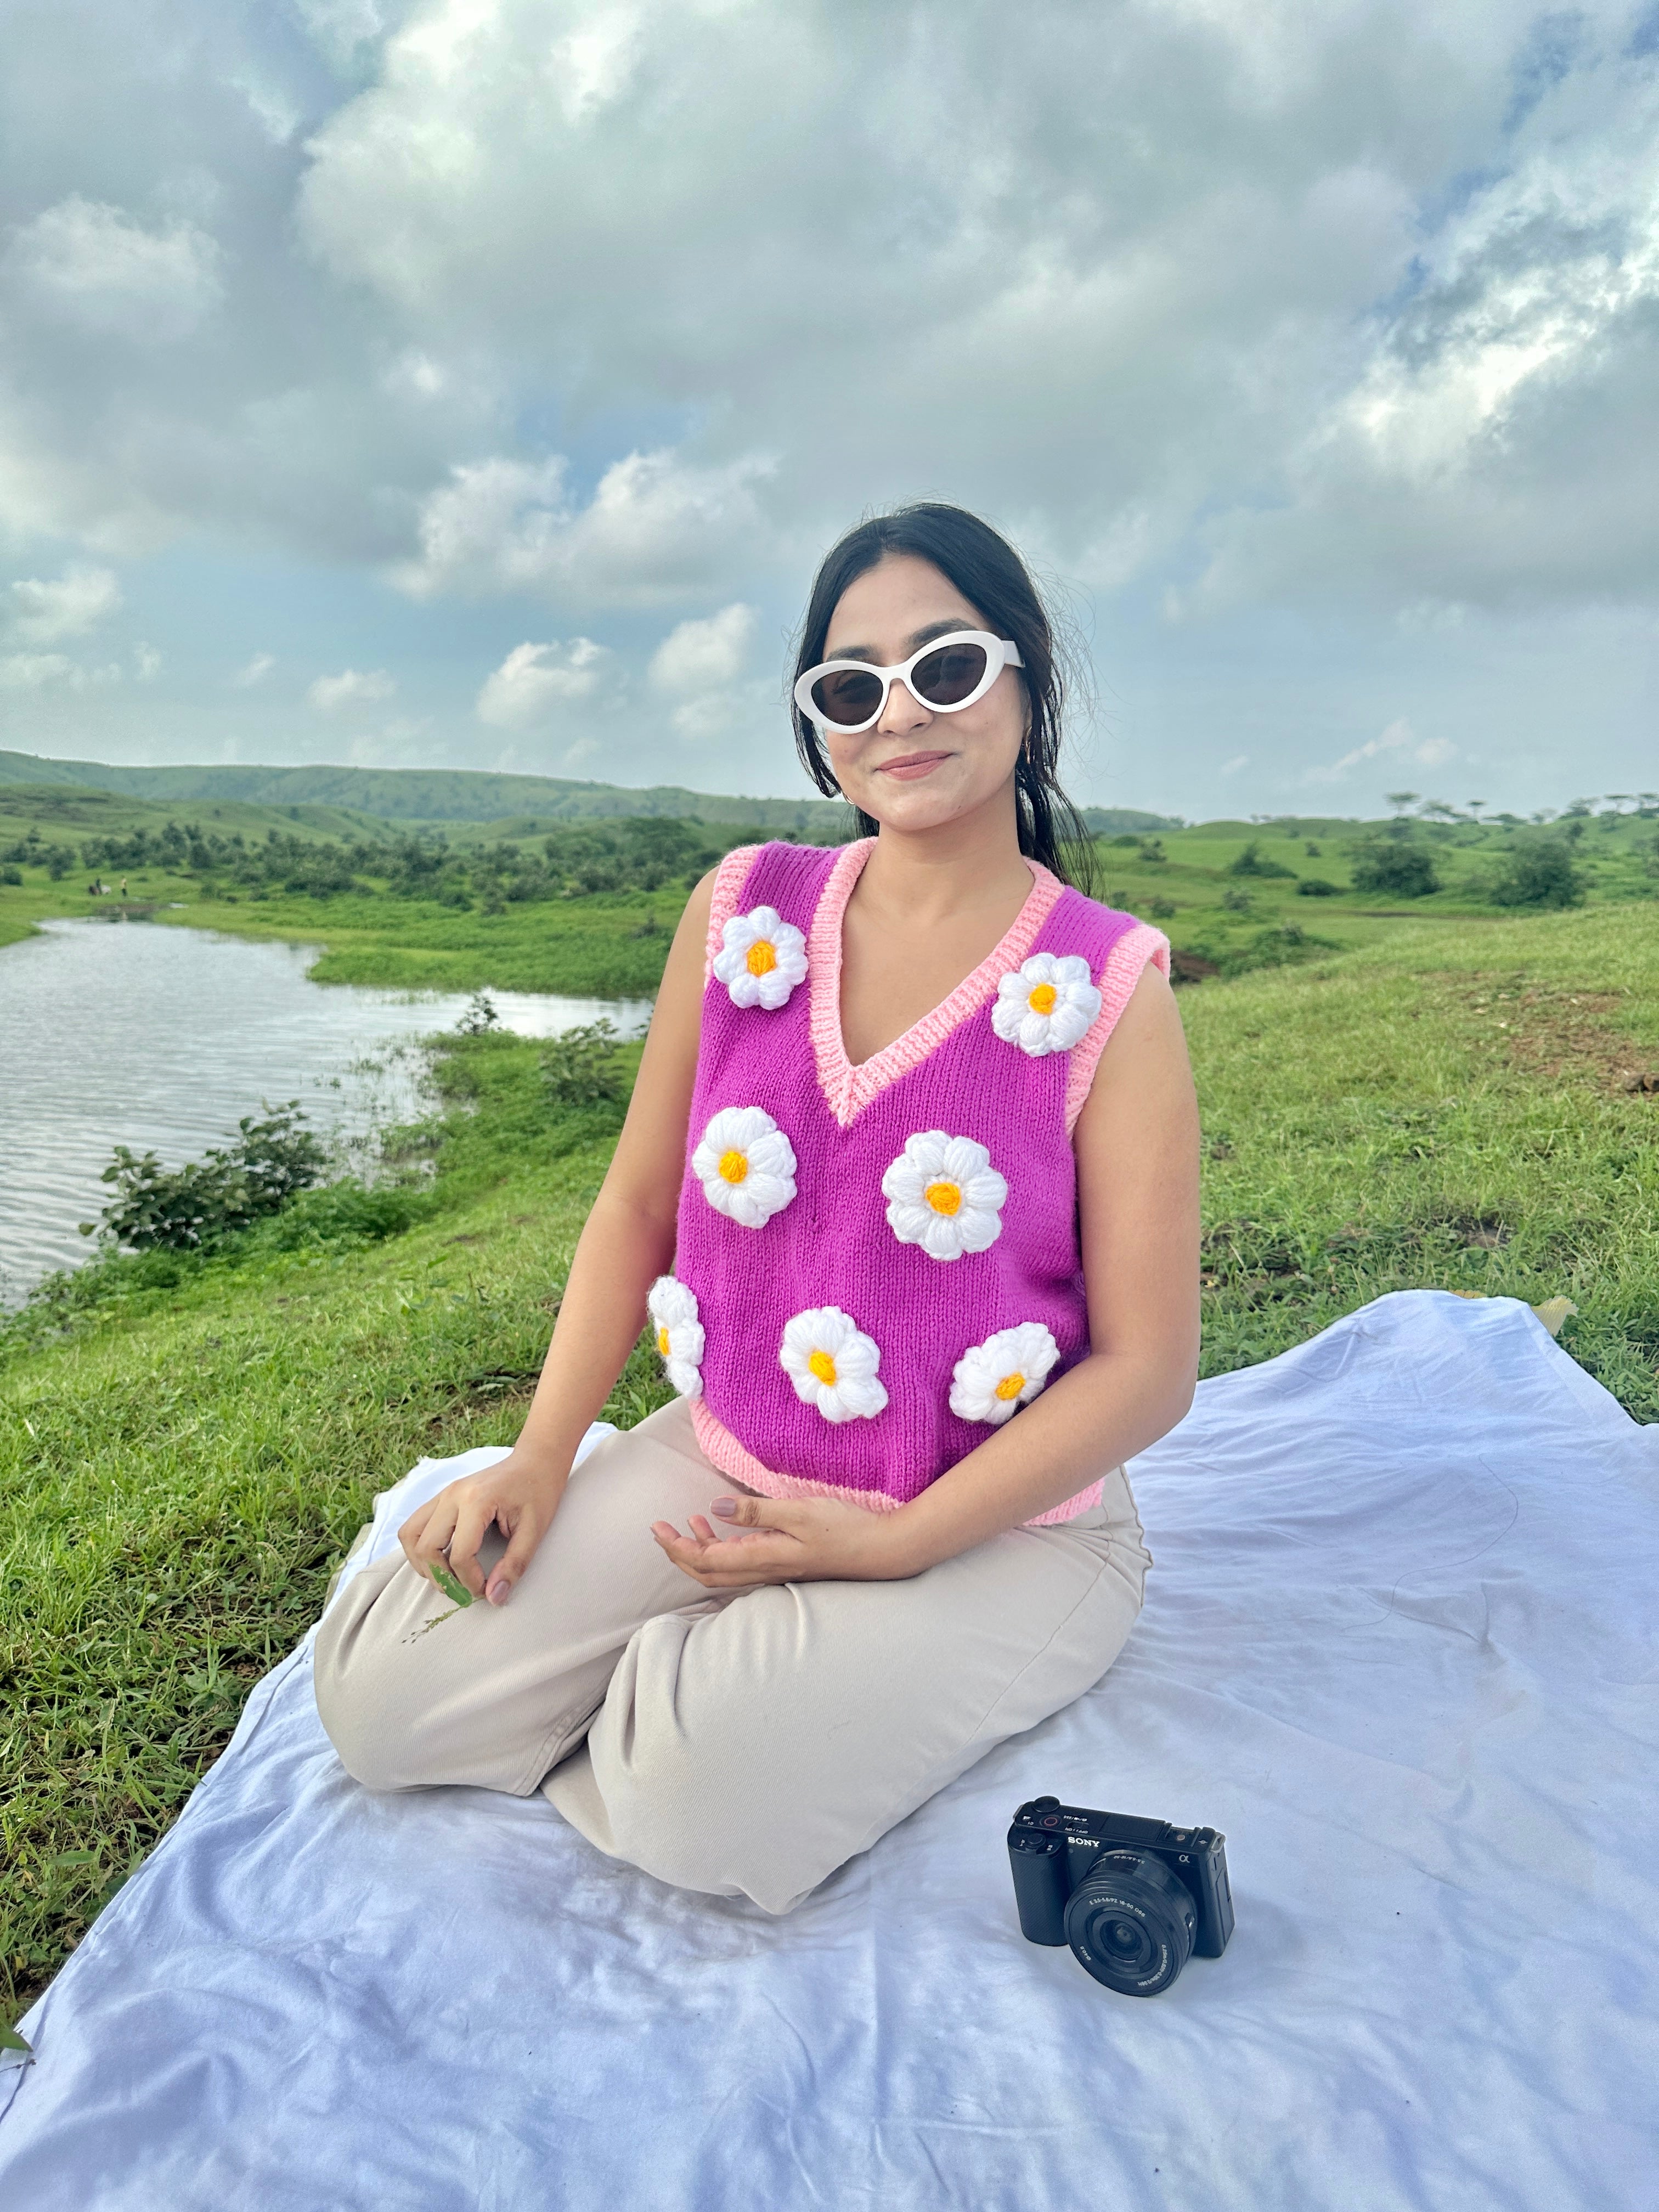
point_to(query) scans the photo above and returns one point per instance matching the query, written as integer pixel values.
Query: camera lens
(1130, 1923)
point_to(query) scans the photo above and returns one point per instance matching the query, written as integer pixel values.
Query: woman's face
(913, 768)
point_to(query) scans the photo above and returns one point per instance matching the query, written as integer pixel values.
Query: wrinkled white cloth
(1400, 1643)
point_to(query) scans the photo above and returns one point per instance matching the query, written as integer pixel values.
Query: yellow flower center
(822, 1367)
(761, 959)
(734, 1165)
(1011, 1386)
(1043, 998)
(662, 1342)
(944, 1197)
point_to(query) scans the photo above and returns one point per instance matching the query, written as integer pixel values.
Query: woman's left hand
(779, 1540)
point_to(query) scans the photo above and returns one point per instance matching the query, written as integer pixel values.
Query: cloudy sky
(476, 382)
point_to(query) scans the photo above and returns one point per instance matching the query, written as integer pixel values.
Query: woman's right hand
(519, 1495)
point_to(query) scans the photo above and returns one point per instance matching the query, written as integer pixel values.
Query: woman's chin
(914, 808)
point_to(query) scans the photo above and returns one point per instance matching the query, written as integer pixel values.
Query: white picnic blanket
(1399, 1644)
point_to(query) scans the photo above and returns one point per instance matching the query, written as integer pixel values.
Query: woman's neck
(925, 878)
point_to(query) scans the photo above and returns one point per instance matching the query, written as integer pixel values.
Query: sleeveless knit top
(876, 1266)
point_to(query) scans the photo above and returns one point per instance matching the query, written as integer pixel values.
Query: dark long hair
(991, 576)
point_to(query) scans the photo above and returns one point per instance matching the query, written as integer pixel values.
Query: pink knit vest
(838, 1338)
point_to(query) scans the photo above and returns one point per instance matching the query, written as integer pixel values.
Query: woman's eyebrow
(916, 641)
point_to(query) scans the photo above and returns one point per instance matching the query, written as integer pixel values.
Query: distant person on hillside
(909, 1188)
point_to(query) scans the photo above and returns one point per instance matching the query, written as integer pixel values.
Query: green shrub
(1317, 887)
(1540, 874)
(1394, 867)
(11, 875)
(229, 1188)
(1253, 861)
(581, 1067)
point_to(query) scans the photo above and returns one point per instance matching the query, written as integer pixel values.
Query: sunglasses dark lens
(847, 697)
(948, 677)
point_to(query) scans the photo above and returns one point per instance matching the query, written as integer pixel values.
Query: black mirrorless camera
(1133, 1899)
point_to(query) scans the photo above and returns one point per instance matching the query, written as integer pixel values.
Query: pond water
(161, 1038)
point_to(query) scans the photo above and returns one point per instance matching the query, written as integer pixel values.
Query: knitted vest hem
(738, 1464)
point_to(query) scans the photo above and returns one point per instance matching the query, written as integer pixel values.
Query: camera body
(1135, 1898)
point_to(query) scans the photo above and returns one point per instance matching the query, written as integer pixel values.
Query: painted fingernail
(726, 1508)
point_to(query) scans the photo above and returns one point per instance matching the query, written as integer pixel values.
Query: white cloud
(705, 656)
(1398, 743)
(39, 612)
(254, 671)
(535, 681)
(1233, 766)
(40, 671)
(341, 28)
(146, 662)
(700, 666)
(33, 671)
(351, 688)
(655, 528)
(91, 264)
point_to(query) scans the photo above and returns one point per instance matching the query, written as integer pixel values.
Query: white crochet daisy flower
(945, 1195)
(673, 1312)
(992, 1380)
(745, 1164)
(761, 958)
(832, 1364)
(1047, 1007)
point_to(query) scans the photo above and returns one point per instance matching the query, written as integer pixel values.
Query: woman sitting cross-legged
(909, 1189)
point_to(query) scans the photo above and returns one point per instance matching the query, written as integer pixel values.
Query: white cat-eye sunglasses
(946, 675)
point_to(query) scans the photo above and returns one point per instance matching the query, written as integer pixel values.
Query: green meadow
(1399, 1091)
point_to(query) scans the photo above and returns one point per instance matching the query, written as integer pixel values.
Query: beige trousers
(742, 1745)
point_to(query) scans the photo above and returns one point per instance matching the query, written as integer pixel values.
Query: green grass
(181, 1470)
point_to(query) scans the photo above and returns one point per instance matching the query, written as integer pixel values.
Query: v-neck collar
(849, 1089)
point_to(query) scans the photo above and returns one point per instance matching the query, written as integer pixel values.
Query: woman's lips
(910, 766)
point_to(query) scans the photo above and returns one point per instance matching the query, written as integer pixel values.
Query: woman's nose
(902, 713)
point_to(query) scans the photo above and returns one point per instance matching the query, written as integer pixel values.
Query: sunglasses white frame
(1000, 653)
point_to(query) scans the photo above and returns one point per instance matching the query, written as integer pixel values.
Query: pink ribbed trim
(849, 1089)
(738, 1464)
(730, 877)
(1124, 963)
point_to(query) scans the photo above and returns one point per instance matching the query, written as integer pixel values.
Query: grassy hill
(418, 795)
(518, 805)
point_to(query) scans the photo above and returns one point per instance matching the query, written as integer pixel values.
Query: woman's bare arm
(627, 1241)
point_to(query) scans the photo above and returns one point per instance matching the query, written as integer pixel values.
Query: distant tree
(1253, 861)
(1399, 800)
(1539, 873)
(1395, 867)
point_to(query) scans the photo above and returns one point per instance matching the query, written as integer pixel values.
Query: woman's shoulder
(1119, 948)
(778, 873)
(1105, 935)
